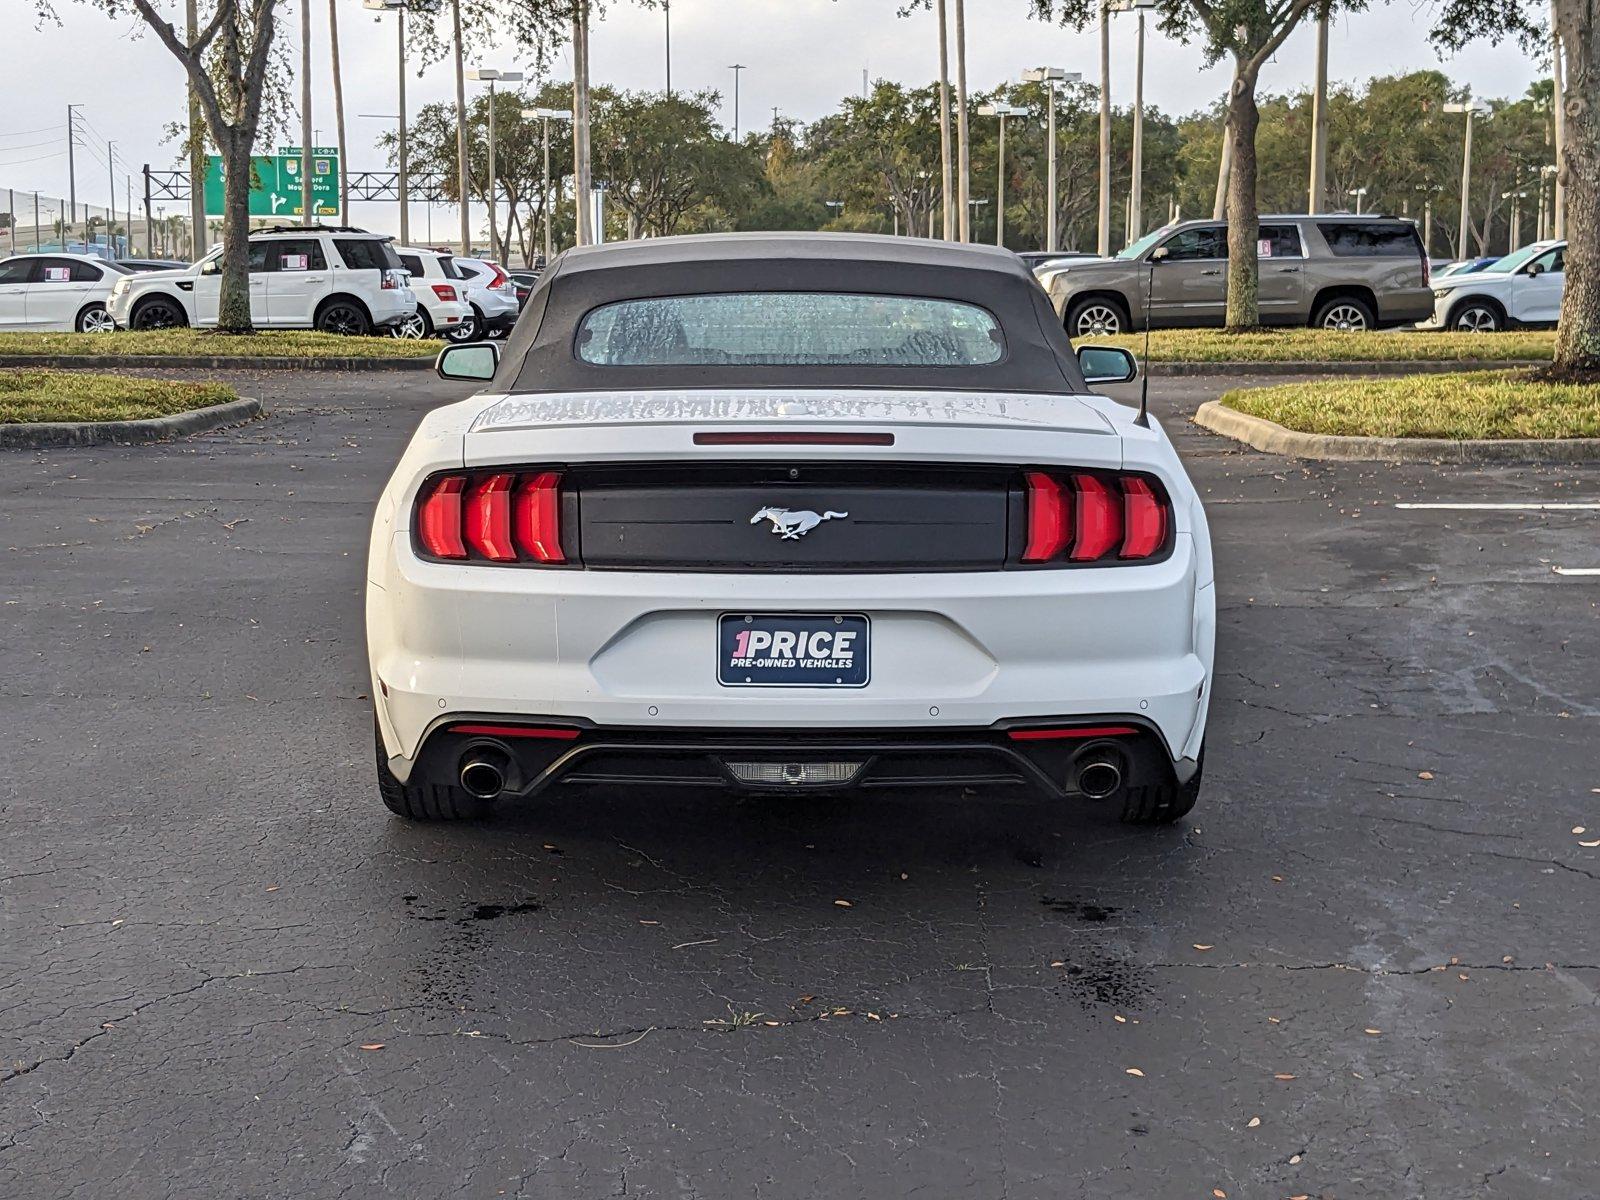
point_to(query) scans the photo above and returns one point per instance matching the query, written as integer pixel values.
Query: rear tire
(1345, 314)
(414, 328)
(425, 801)
(344, 317)
(1163, 803)
(95, 319)
(468, 329)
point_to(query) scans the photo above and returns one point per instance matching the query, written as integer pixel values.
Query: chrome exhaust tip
(1099, 778)
(482, 776)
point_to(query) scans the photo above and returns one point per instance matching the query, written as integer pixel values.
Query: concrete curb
(1373, 367)
(214, 362)
(43, 434)
(1273, 438)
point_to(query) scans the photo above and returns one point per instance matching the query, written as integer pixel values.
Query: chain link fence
(34, 222)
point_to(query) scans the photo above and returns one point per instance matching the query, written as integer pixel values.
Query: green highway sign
(275, 183)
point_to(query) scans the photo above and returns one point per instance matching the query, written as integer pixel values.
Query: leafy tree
(1573, 30)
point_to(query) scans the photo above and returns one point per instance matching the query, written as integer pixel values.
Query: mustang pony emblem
(791, 524)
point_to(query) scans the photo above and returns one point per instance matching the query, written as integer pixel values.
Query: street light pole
(1360, 194)
(963, 142)
(308, 203)
(1050, 77)
(736, 68)
(403, 156)
(492, 76)
(581, 175)
(1559, 217)
(546, 115)
(461, 131)
(1104, 244)
(1136, 182)
(1002, 111)
(947, 202)
(1472, 108)
(1317, 192)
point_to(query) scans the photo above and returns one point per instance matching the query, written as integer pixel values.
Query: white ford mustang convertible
(789, 512)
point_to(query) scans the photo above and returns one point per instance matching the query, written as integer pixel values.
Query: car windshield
(790, 328)
(1508, 264)
(1150, 239)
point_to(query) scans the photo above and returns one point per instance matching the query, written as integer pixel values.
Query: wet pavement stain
(1117, 982)
(1084, 910)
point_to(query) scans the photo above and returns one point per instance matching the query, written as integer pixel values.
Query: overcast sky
(803, 55)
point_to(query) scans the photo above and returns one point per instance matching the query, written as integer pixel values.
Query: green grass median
(28, 396)
(1329, 346)
(192, 343)
(1466, 405)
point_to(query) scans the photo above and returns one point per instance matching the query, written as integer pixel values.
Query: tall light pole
(491, 76)
(1051, 77)
(1472, 108)
(402, 179)
(582, 176)
(1136, 180)
(197, 146)
(947, 200)
(1103, 245)
(1360, 194)
(1002, 111)
(666, 12)
(308, 202)
(1559, 223)
(545, 116)
(736, 68)
(1547, 225)
(963, 142)
(1316, 193)
(1516, 199)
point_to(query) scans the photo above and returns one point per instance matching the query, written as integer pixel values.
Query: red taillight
(1090, 517)
(444, 291)
(497, 516)
(1099, 518)
(1077, 731)
(488, 518)
(1047, 518)
(537, 517)
(439, 518)
(500, 276)
(1144, 519)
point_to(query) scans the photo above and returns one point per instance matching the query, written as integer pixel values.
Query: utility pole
(1136, 184)
(666, 12)
(963, 142)
(1104, 243)
(1316, 195)
(491, 77)
(947, 202)
(461, 133)
(338, 111)
(546, 115)
(1002, 111)
(736, 68)
(1051, 77)
(1472, 108)
(197, 148)
(111, 208)
(72, 173)
(1559, 99)
(581, 175)
(308, 202)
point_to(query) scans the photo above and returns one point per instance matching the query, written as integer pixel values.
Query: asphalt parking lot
(1366, 966)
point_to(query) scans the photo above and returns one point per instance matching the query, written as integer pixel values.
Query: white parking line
(1576, 570)
(1535, 507)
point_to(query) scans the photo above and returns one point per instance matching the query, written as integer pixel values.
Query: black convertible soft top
(540, 355)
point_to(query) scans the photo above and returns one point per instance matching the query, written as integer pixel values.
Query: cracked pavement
(1366, 965)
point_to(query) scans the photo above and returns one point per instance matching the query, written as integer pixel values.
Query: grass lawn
(1469, 405)
(277, 343)
(1320, 345)
(27, 395)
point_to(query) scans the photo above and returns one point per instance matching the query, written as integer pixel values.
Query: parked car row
(335, 279)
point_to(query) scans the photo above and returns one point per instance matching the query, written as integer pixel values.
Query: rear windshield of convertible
(790, 329)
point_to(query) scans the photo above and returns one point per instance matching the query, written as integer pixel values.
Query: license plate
(793, 650)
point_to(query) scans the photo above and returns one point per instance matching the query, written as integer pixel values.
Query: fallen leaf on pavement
(1201, 946)
(1253, 1122)
(1424, 774)
(373, 1046)
(1373, 1032)
(1136, 1072)
(1283, 1076)
(844, 904)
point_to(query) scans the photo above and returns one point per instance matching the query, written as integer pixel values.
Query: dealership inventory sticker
(793, 650)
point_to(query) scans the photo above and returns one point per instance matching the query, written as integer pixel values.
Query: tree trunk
(233, 306)
(1243, 221)
(1578, 337)
(338, 110)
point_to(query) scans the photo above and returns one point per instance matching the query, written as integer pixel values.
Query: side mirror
(476, 362)
(1159, 254)
(1107, 364)
(1536, 269)
(211, 266)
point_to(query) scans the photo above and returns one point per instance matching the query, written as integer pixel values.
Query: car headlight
(1441, 293)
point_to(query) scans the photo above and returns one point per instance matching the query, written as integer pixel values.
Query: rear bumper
(1048, 760)
(621, 650)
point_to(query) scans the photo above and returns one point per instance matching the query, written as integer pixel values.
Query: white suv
(442, 306)
(331, 278)
(493, 297)
(1523, 288)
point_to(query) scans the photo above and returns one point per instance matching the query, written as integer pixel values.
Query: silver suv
(1326, 271)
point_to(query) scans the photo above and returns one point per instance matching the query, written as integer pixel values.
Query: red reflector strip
(1047, 518)
(444, 291)
(488, 513)
(1051, 735)
(439, 519)
(1099, 518)
(1144, 518)
(794, 439)
(522, 731)
(536, 517)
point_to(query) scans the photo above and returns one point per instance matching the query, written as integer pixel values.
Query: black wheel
(1476, 316)
(1095, 316)
(344, 317)
(1161, 804)
(414, 328)
(1346, 314)
(95, 319)
(424, 801)
(468, 329)
(159, 313)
